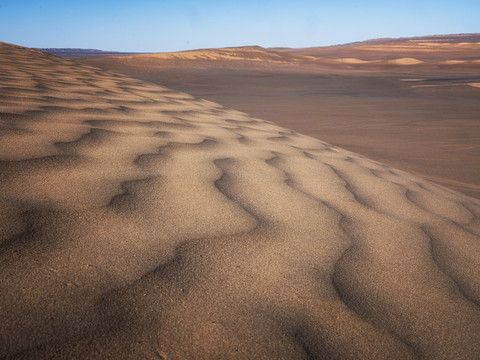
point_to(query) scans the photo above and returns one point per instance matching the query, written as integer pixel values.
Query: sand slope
(139, 222)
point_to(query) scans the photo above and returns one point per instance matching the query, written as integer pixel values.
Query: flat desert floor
(141, 222)
(411, 103)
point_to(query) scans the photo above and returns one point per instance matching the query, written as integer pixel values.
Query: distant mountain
(83, 53)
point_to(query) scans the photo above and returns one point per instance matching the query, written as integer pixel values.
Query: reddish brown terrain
(413, 103)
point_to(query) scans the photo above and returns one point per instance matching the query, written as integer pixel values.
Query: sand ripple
(139, 222)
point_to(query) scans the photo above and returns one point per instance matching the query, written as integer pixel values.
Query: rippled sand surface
(140, 222)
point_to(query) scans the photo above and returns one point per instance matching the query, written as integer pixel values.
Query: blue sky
(149, 25)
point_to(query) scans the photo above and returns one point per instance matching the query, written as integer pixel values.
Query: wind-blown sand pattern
(139, 222)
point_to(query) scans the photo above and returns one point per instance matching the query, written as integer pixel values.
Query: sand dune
(245, 56)
(351, 61)
(316, 60)
(245, 53)
(399, 61)
(140, 222)
(405, 61)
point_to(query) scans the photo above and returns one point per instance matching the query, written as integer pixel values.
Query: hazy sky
(149, 25)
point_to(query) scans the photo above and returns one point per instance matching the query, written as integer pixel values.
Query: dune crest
(235, 54)
(140, 222)
(405, 61)
(399, 61)
(352, 61)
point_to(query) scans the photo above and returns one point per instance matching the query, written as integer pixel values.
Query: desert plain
(138, 221)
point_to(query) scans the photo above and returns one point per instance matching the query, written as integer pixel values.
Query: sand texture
(139, 222)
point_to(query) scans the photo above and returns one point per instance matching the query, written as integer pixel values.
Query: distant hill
(452, 38)
(201, 54)
(458, 54)
(424, 48)
(83, 53)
